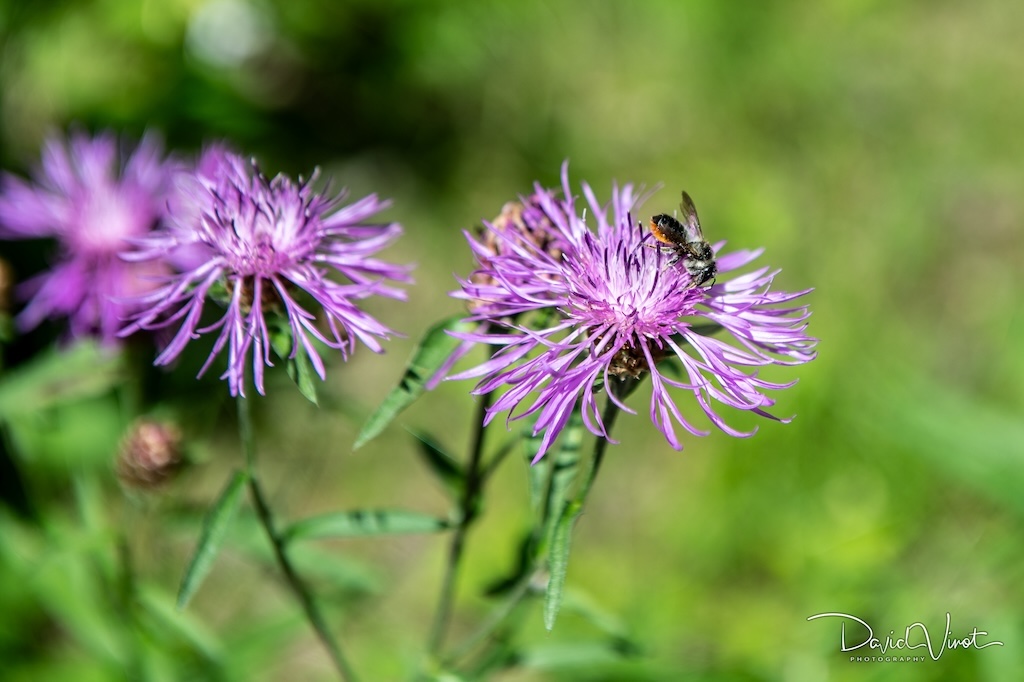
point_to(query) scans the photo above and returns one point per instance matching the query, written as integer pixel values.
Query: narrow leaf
(444, 466)
(301, 371)
(299, 368)
(560, 514)
(566, 465)
(172, 625)
(550, 480)
(564, 457)
(558, 561)
(215, 526)
(360, 523)
(280, 335)
(434, 348)
(537, 474)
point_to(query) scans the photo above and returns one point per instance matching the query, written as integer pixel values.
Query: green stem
(468, 510)
(519, 589)
(298, 587)
(522, 588)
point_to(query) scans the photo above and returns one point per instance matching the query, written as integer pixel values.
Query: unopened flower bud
(150, 454)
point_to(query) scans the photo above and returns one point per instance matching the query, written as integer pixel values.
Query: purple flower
(93, 200)
(608, 306)
(264, 251)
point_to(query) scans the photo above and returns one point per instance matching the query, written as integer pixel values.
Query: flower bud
(150, 454)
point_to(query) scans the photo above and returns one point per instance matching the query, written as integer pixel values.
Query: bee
(687, 240)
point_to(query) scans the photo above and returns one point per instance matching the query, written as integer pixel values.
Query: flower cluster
(146, 242)
(614, 308)
(575, 297)
(264, 249)
(93, 199)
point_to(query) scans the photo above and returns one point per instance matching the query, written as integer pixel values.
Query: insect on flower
(687, 240)
(601, 310)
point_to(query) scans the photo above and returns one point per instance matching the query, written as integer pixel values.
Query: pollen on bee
(659, 234)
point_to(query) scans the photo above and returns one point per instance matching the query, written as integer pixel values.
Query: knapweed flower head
(94, 200)
(526, 220)
(608, 307)
(518, 221)
(266, 253)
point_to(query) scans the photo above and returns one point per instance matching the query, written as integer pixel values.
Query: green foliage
(451, 474)
(434, 348)
(299, 368)
(367, 522)
(558, 561)
(215, 527)
(872, 148)
(57, 377)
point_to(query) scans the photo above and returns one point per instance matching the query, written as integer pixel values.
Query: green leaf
(434, 348)
(171, 624)
(361, 523)
(566, 465)
(57, 377)
(444, 466)
(561, 513)
(215, 526)
(550, 480)
(558, 561)
(248, 539)
(301, 371)
(280, 334)
(299, 368)
(537, 474)
(565, 456)
(337, 577)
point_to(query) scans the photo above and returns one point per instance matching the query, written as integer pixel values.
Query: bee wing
(688, 217)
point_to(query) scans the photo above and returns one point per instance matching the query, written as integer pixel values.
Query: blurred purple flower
(613, 308)
(263, 250)
(93, 200)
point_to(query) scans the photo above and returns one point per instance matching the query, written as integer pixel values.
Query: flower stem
(266, 519)
(468, 508)
(521, 588)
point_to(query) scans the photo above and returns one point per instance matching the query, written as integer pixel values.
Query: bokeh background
(873, 148)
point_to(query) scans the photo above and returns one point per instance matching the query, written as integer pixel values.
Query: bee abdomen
(667, 229)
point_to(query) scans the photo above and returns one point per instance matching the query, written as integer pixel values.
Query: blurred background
(873, 149)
